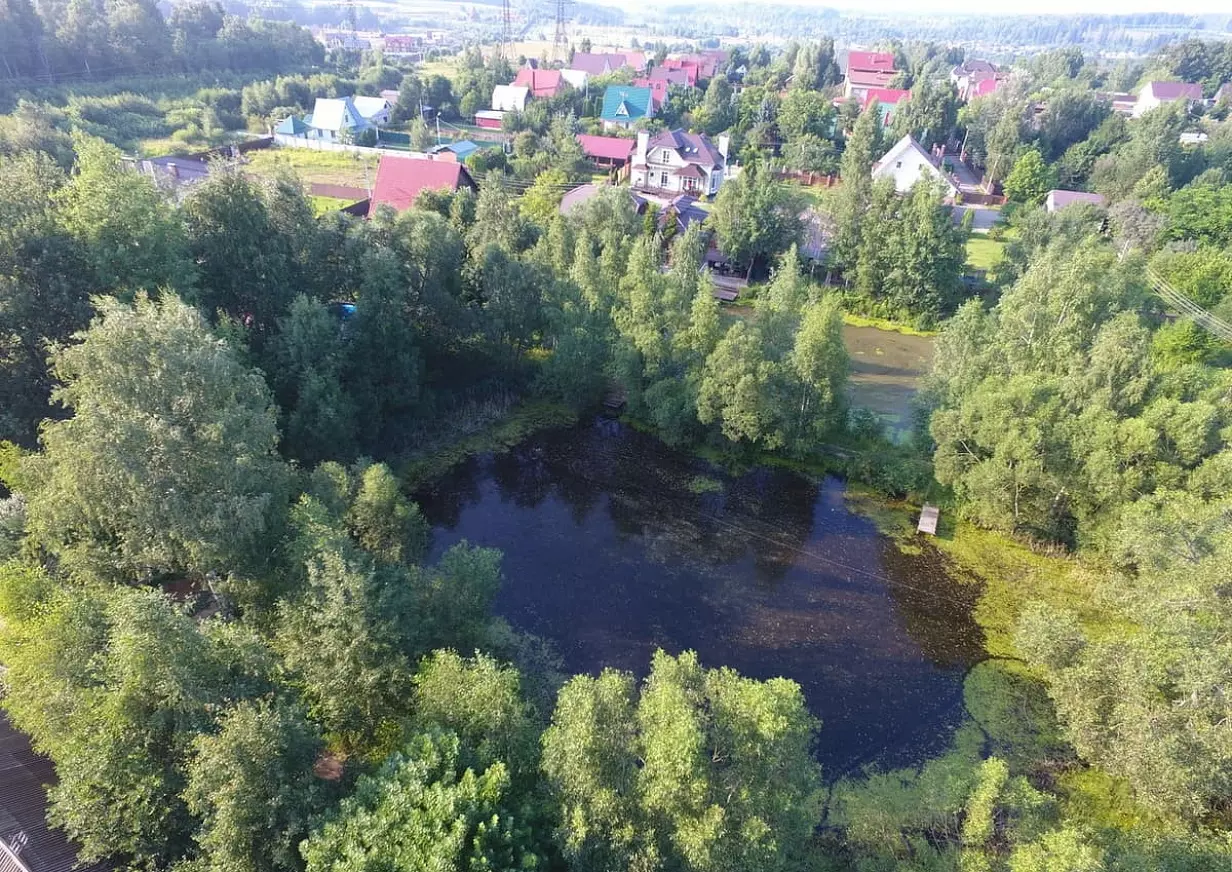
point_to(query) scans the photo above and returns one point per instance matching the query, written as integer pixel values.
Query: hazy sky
(1039, 7)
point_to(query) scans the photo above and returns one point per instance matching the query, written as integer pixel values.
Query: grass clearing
(817, 196)
(1012, 573)
(852, 320)
(983, 253)
(447, 67)
(324, 167)
(322, 205)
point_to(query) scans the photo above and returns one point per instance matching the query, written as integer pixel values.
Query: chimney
(724, 142)
(173, 169)
(643, 140)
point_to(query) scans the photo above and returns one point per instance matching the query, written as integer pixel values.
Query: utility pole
(560, 44)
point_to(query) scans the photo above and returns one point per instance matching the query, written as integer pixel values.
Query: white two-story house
(676, 162)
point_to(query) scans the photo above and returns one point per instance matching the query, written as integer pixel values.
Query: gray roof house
(335, 118)
(1058, 200)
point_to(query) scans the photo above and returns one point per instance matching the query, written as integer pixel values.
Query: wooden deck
(928, 520)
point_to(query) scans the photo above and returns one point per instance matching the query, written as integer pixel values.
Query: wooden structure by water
(614, 401)
(928, 520)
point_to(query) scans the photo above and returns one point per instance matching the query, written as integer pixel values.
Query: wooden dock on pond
(928, 520)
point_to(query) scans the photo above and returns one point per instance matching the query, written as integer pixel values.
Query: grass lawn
(321, 205)
(447, 67)
(984, 254)
(325, 167)
(816, 195)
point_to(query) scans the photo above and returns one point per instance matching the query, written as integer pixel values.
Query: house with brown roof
(867, 70)
(400, 180)
(585, 193)
(1155, 94)
(678, 162)
(603, 64)
(688, 71)
(1058, 199)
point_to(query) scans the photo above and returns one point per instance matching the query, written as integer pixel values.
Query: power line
(1208, 321)
(1214, 325)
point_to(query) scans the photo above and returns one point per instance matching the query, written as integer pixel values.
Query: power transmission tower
(506, 38)
(560, 45)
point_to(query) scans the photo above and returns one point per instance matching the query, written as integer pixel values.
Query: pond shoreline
(616, 545)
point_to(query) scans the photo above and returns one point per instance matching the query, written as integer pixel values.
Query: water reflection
(610, 554)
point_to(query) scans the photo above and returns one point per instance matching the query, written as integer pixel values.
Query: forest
(220, 616)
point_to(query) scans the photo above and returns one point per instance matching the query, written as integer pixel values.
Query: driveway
(985, 217)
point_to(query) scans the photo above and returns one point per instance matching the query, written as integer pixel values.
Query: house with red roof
(543, 84)
(705, 65)
(976, 78)
(606, 151)
(399, 180)
(983, 87)
(688, 68)
(1156, 94)
(886, 100)
(867, 70)
(657, 87)
(635, 60)
(678, 162)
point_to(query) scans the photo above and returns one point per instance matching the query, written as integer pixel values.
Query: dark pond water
(611, 553)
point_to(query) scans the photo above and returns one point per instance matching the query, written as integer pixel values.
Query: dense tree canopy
(697, 769)
(222, 615)
(169, 463)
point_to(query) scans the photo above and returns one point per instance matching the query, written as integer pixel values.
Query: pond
(616, 545)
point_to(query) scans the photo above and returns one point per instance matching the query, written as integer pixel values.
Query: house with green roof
(291, 126)
(624, 106)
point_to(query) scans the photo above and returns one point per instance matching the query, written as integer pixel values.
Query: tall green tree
(853, 196)
(169, 463)
(114, 685)
(1146, 702)
(245, 265)
(1030, 180)
(697, 769)
(253, 787)
(755, 217)
(423, 810)
(126, 226)
(44, 291)
(307, 361)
